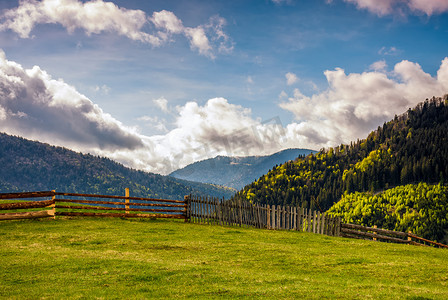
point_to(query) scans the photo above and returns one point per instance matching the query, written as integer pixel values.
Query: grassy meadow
(88, 258)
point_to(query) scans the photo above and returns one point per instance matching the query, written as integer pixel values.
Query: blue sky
(160, 84)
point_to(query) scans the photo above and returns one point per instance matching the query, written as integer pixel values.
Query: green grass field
(83, 258)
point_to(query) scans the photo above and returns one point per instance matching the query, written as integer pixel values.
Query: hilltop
(34, 166)
(236, 172)
(413, 147)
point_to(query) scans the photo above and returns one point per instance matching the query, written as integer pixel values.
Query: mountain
(410, 148)
(33, 166)
(236, 172)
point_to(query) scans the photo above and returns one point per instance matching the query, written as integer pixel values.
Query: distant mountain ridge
(236, 172)
(33, 166)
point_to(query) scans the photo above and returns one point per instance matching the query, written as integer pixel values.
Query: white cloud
(429, 7)
(96, 17)
(291, 78)
(199, 41)
(355, 104)
(34, 105)
(379, 7)
(168, 21)
(379, 66)
(386, 7)
(154, 122)
(162, 103)
(250, 80)
(388, 51)
(104, 89)
(279, 2)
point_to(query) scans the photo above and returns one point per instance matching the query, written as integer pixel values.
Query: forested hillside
(33, 166)
(236, 172)
(411, 148)
(420, 208)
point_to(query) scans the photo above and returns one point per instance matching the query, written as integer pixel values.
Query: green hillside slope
(32, 166)
(411, 148)
(163, 259)
(420, 208)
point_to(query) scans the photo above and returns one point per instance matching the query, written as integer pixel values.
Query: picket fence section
(238, 213)
(194, 209)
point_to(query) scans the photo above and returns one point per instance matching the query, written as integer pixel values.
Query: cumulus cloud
(291, 78)
(355, 104)
(386, 7)
(35, 105)
(95, 17)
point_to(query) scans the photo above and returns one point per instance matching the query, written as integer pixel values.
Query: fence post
(409, 238)
(126, 194)
(54, 205)
(187, 208)
(374, 226)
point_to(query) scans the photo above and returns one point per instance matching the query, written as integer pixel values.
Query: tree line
(410, 148)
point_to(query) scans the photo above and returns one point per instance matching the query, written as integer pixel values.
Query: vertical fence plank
(126, 194)
(216, 211)
(322, 230)
(310, 228)
(268, 217)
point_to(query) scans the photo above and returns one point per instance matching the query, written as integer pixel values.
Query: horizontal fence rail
(379, 234)
(73, 204)
(242, 213)
(194, 209)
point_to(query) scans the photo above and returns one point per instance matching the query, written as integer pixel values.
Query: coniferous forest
(33, 166)
(409, 149)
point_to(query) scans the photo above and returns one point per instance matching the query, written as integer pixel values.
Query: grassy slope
(115, 258)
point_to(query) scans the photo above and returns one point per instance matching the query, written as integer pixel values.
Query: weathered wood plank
(426, 240)
(26, 195)
(27, 215)
(372, 235)
(116, 197)
(116, 203)
(25, 205)
(378, 230)
(121, 209)
(120, 215)
(323, 224)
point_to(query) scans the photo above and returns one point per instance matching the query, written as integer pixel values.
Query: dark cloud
(35, 105)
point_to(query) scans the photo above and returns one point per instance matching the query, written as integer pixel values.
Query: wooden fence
(237, 213)
(379, 234)
(194, 209)
(72, 204)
